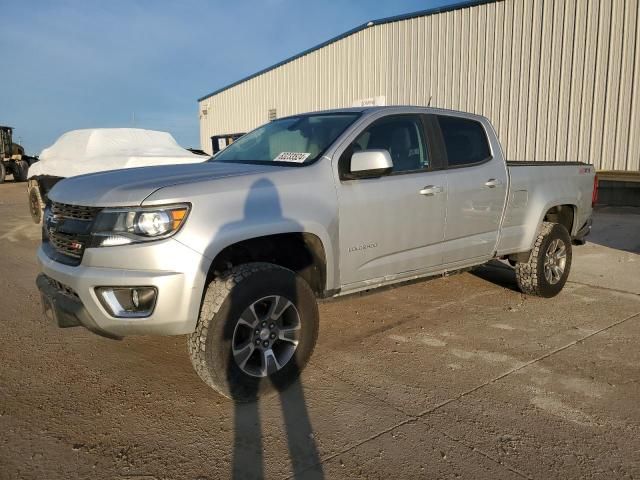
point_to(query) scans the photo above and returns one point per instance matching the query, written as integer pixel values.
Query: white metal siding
(558, 79)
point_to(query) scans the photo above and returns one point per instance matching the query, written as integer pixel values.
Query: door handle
(431, 190)
(492, 183)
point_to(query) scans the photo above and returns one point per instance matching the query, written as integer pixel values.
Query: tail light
(594, 195)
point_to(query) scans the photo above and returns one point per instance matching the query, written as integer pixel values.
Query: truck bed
(542, 163)
(532, 191)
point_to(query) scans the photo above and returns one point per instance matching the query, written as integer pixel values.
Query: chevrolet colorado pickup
(235, 251)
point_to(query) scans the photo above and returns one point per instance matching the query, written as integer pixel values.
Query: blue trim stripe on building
(397, 18)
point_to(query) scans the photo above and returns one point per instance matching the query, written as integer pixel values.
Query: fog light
(128, 302)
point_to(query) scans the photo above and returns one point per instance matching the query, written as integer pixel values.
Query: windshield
(291, 140)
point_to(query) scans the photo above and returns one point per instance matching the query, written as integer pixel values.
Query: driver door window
(402, 137)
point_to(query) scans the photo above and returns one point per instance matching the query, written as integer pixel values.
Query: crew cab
(235, 251)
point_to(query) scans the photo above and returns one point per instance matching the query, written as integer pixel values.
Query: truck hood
(129, 187)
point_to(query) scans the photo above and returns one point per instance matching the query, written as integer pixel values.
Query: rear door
(395, 223)
(477, 179)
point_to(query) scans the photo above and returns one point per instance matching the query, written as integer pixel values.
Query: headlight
(121, 226)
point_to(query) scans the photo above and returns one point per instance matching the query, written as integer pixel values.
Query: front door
(393, 224)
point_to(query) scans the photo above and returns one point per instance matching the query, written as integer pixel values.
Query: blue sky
(71, 64)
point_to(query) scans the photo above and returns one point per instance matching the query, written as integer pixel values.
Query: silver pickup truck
(234, 252)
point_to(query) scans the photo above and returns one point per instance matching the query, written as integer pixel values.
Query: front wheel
(36, 205)
(547, 269)
(20, 171)
(257, 328)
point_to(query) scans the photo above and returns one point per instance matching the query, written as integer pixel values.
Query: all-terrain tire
(531, 275)
(3, 172)
(226, 298)
(36, 205)
(21, 171)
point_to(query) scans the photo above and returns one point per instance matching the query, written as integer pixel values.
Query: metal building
(559, 79)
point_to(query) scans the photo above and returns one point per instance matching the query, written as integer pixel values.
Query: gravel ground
(456, 377)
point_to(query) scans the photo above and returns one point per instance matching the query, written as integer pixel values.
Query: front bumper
(177, 272)
(65, 308)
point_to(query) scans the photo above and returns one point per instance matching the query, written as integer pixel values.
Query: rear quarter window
(465, 141)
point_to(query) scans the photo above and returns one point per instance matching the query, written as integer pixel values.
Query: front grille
(75, 212)
(67, 231)
(69, 245)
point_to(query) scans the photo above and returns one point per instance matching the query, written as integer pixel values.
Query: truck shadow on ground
(262, 203)
(498, 273)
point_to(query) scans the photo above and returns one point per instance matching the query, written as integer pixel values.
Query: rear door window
(465, 141)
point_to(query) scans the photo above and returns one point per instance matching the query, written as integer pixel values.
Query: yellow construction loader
(13, 160)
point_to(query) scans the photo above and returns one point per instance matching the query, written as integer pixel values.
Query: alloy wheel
(555, 261)
(266, 336)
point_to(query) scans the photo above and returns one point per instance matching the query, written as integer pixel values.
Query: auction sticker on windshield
(295, 157)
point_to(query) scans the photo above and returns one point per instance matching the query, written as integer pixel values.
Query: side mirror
(369, 164)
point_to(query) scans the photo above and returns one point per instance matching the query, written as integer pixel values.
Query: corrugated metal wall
(558, 79)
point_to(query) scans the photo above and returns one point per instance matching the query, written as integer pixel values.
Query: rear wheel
(3, 172)
(257, 328)
(547, 269)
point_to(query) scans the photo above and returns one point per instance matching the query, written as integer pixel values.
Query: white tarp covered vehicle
(79, 152)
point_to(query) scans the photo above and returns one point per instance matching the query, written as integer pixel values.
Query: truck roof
(371, 110)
